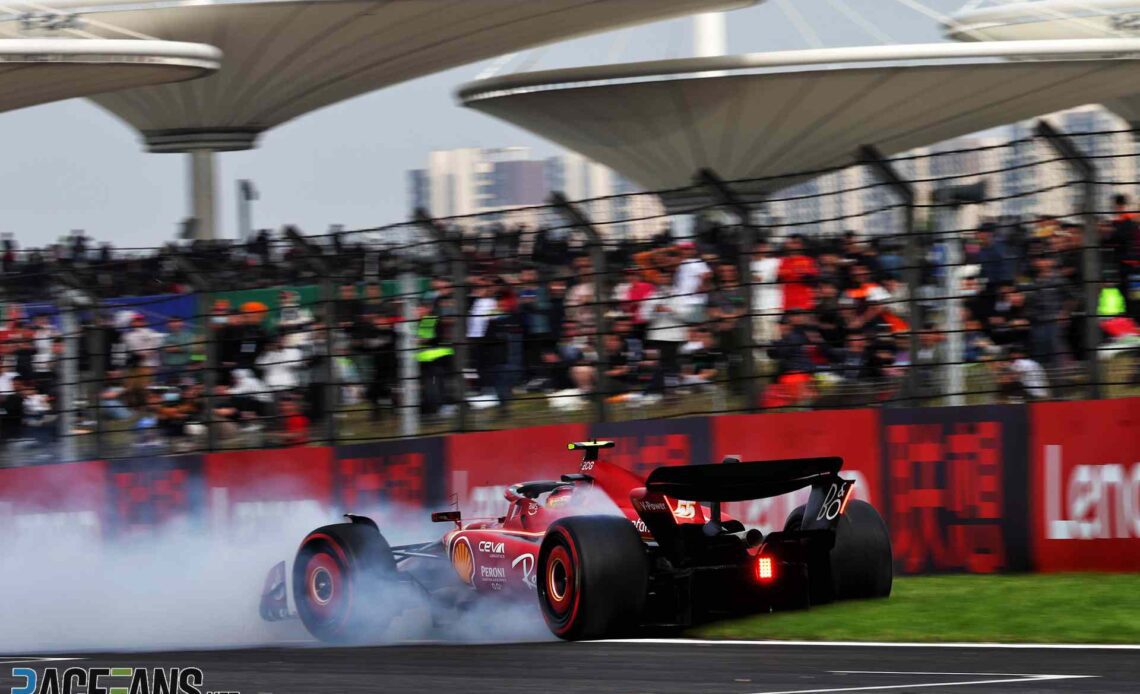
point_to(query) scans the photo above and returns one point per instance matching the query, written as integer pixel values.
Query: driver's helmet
(559, 498)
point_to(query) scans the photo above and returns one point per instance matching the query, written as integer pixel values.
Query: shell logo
(463, 560)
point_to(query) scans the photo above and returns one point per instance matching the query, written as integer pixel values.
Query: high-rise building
(1022, 175)
(475, 181)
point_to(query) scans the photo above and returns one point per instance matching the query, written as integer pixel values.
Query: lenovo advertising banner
(956, 498)
(1085, 486)
(850, 434)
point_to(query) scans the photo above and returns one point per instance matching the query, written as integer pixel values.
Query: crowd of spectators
(830, 319)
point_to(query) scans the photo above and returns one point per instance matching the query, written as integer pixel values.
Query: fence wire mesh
(1010, 276)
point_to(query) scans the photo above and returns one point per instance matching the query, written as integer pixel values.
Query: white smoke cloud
(66, 588)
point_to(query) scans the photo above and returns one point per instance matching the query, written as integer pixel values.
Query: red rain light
(765, 569)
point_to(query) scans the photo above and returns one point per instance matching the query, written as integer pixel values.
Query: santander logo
(1090, 501)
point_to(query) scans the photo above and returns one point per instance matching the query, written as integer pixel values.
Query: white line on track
(890, 644)
(1001, 679)
(30, 659)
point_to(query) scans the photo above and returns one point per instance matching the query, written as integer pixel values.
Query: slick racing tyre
(860, 564)
(338, 579)
(592, 577)
(861, 561)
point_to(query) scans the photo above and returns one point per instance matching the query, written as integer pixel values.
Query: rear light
(765, 569)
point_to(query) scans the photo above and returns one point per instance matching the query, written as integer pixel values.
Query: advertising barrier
(1049, 487)
(852, 434)
(956, 488)
(67, 500)
(1085, 485)
(249, 492)
(145, 494)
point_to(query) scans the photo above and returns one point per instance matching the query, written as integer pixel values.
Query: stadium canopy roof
(285, 58)
(1053, 20)
(38, 71)
(767, 115)
(1045, 19)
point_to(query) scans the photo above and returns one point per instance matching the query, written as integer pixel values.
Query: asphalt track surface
(657, 666)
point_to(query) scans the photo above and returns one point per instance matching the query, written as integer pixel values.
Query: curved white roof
(1045, 20)
(779, 113)
(285, 58)
(38, 71)
(1055, 20)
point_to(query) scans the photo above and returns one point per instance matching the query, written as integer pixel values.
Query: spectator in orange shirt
(797, 275)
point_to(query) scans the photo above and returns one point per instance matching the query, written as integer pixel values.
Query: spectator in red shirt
(797, 275)
(295, 429)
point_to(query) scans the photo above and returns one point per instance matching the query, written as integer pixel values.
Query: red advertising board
(850, 434)
(1085, 485)
(480, 465)
(59, 500)
(955, 493)
(247, 491)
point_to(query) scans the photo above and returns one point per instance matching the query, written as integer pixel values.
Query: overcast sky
(71, 165)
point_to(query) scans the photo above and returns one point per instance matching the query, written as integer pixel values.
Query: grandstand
(473, 324)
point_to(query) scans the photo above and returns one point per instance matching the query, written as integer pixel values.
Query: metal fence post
(1090, 245)
(69, 374)
(457, 266)
(326, 292)
(97, 351)
(746, 243)
(882, 167)
(576, 218)
(201, 287)
(409, 367)
(210, 366)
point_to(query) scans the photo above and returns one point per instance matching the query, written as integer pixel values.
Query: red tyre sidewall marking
(576, 601)
(320, 560)
(344, 584)
(559, 555)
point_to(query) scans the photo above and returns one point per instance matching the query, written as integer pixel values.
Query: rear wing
(733, 481)
(736, 481)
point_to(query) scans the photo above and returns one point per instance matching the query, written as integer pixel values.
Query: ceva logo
(491, 547)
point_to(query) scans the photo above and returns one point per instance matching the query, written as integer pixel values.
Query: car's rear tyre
(861, 562)
(860, 565)
(592, 577)
(338, 579)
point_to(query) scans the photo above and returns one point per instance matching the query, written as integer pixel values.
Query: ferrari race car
(604, 551)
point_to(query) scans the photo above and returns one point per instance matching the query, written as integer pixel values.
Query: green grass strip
(1030, 608)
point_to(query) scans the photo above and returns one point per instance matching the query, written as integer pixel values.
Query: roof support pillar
(457, 273)
(203, 192)
(872, 157)
(1090, 245)
(578, 219)
(747, 236)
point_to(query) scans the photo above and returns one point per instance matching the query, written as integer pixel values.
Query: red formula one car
(604, 551)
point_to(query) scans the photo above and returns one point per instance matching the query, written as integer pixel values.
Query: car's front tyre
(338, 578)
